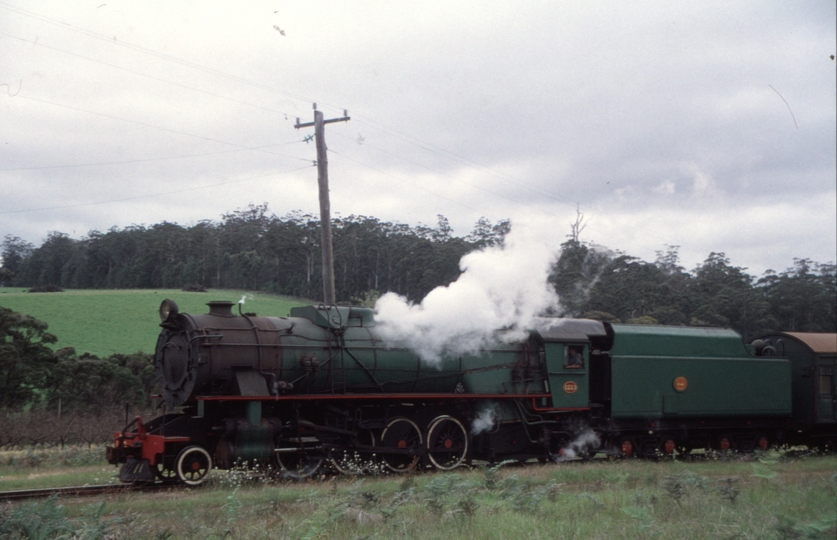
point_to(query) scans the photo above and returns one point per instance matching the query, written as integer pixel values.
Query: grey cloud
(658, 119)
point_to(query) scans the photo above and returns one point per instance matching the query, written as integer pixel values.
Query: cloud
(660, 120)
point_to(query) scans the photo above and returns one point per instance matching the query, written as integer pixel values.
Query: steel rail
(77, 491)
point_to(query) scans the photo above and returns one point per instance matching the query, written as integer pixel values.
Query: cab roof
(554, 329)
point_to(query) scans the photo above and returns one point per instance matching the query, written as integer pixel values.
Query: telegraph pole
(325, 206)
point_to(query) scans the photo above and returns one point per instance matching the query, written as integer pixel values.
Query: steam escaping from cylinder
(484, 421)
(586, 441)
(499, 296)
(244, 298)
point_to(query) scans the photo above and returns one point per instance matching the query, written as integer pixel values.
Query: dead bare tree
(577, 226)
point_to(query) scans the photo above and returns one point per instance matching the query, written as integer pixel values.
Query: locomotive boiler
(322, 388)
(334, 350)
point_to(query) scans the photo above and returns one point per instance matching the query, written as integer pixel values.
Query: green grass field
(103, 322)
(772, 496)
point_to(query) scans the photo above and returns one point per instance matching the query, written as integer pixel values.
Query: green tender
(722, 377)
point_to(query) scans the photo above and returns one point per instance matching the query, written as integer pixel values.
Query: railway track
(78, 491)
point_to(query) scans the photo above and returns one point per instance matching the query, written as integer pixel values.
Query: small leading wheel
(346, 458)
(164, 471)
(403, 434)
(193, 465)
(447, 443)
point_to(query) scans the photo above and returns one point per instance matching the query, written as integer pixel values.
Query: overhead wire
(169, 130)
(423, 145)
(429, 147)
(147, 196)
(145, 50)
(417, 164)
(344, 156)
(146, 75)
(145, 160)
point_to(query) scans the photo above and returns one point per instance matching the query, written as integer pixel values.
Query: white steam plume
(502, 291)
(484, 421)
(586, 441)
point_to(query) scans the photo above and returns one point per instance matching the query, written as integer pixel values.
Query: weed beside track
(775, 495)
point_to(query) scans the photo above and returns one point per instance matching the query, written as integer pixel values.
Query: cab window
(573, 357)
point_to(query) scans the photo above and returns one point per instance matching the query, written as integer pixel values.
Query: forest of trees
(254, 250)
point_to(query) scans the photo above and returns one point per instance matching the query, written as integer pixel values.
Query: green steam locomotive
(324, 389)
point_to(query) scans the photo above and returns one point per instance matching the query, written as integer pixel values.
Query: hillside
(103, 322)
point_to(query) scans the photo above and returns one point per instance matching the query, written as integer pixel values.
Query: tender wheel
(683, 450)
(557, 450)
(346, 459)
(447, 443)
(627, 448)
(193, 465)
(298, 456)
(401, 433)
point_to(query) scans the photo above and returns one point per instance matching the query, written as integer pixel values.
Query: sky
(705, 125)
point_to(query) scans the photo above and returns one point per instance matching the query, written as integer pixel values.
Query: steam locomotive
(322, 388)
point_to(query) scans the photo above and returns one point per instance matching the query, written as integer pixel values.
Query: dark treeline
(620, 288)
(254, 250)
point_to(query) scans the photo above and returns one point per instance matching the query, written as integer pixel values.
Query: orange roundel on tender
(570, 387)
(680, 384)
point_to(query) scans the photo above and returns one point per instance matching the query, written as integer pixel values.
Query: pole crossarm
(345, 118)
(329, 121)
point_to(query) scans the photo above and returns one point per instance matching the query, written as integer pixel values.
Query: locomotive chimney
(220, 308)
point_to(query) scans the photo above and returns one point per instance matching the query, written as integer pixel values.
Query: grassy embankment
(104, 322)
(775, 497)
(54, 467)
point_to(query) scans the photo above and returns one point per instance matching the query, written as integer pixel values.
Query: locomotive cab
(567, 344)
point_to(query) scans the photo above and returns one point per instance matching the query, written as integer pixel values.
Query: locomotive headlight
(168, 310)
